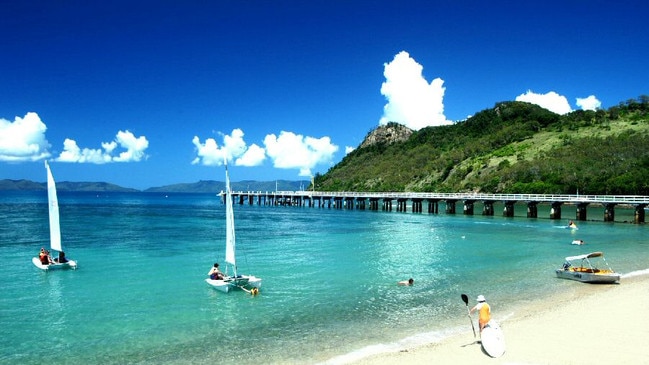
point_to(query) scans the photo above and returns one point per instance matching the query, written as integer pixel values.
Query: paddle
(466, 301)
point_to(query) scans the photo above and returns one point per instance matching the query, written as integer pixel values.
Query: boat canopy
(586, 256)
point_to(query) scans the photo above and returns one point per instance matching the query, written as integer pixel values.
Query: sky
(150, 93)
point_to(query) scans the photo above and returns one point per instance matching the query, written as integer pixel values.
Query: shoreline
(594, 323)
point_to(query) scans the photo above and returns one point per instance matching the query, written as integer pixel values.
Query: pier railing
(566, 198)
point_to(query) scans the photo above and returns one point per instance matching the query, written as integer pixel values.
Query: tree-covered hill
(515, 147)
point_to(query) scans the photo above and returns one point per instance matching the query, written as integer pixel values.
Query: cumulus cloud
(234, 148)
(589, 103)
(551, 101)
(288, 151)
(412, 101)
(349, 149)
(209, 153)
(253, 156)
(23, 139)
(134, 150)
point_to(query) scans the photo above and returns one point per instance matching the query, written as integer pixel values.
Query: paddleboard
(493, 339)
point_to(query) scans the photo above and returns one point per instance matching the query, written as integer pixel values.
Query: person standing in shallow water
(484, 311)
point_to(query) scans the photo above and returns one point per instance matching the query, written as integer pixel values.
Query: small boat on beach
(583, 268)
(59, 262)
(227, 281)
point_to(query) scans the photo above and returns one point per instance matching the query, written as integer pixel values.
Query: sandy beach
(595, 324)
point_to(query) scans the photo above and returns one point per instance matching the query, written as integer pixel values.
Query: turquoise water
(329, 292)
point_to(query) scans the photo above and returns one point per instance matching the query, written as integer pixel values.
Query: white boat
(58, 262)
(231, 278)
(583, 268)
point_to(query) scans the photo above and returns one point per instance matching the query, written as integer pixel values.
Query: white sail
(53, 202)
(230, 241)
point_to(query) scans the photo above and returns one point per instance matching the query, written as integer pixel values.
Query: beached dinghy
(59, 262)
(235, 280)
(583, 268)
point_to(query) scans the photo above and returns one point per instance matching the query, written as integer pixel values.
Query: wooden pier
(401, 202)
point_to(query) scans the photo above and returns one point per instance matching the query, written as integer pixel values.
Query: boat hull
(587, 277)
(71, 264)
(230, 283)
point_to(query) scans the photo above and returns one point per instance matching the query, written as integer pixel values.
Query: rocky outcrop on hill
(387, 134)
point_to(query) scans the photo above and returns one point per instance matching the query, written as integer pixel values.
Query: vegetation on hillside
(515, 147)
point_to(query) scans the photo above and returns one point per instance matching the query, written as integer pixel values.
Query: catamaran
(583, 268)
(231, 278)
(58, 262)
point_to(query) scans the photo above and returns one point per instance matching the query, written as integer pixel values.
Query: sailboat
(58, 262)
(231, 278)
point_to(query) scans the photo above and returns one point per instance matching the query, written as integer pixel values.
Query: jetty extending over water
(416, 202)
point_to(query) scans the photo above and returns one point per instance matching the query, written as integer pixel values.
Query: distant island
(203, 186)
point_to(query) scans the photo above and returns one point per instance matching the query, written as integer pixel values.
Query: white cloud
(253, 156)
(412, 101)
(234, 148)
(72, 153)
(589, 103)
(551, 101)
(134, 147)
(289, 151)
(23, 139)
(349, 149)
(234, 143)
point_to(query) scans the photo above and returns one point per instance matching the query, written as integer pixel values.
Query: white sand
(597, 324)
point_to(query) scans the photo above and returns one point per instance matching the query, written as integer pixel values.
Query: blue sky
(150, 93)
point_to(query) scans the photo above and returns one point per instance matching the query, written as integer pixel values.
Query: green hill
(515, 147)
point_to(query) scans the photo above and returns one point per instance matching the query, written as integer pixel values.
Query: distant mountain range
(203, 186)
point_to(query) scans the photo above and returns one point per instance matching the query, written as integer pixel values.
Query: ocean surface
(329, 292)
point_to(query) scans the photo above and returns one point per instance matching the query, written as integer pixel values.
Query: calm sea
(329, 293)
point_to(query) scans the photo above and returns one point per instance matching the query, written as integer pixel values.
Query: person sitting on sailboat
(61, 259)
(45, 257)
(215, 273)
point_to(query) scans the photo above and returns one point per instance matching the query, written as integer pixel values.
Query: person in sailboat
(61, 259)
(45, 257)
(215, 273)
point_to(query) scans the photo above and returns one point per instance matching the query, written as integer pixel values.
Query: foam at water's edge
(636, 273)
(417, 340)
